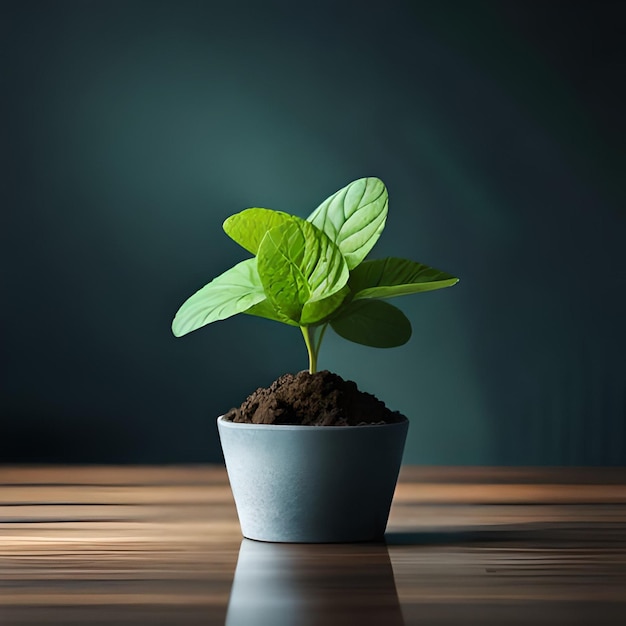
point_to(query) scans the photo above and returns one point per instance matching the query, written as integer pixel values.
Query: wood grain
(161, 545)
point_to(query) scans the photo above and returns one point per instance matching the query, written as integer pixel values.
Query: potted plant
(311, 458)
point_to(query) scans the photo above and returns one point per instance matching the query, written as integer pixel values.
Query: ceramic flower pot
(313, 484)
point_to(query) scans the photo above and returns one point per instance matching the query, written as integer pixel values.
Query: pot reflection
(280, 584)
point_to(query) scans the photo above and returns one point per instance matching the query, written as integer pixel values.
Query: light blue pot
(313, 484)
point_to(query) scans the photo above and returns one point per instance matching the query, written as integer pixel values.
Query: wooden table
(161, 546)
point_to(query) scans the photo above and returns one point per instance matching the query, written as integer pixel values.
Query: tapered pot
(313, 484)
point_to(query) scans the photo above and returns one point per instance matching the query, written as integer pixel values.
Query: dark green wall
(132, 129)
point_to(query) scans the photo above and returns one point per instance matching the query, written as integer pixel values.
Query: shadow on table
(536, 533)
(443, 537)
(305, 584)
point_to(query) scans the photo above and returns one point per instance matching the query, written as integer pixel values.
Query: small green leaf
(386, 278)
(266, 310)
(232, 292)
(319, 311)
(248, 227)
(298, 264)
(354, 217)
(373, 323)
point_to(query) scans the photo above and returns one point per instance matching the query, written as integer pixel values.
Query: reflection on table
(305, 584)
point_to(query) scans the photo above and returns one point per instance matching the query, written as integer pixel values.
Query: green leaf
(386, 278)
(373, 323)
(354, 217)
(266, 310)
(319, 311)
(248, 227)
(298, 264)
(232, 292)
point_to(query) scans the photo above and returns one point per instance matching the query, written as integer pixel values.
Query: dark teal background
(132, 129)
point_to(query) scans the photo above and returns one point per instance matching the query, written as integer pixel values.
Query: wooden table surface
(161, 546)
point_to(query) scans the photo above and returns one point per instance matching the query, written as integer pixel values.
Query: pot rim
(305, 427)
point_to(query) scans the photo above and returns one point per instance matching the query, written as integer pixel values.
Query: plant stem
(319, 340)
(309, 339)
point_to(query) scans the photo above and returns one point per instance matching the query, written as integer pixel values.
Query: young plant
(312, 273)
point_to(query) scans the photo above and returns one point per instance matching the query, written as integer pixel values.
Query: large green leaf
(299, 264)
(354, 217)
(385, 278)
(248, 227)
(373, 323)
(232, 292)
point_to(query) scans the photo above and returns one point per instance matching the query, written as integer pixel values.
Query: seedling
(312, 273)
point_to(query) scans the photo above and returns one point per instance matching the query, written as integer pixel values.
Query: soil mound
(320, 399)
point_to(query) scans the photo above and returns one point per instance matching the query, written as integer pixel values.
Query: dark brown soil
(320, 399)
